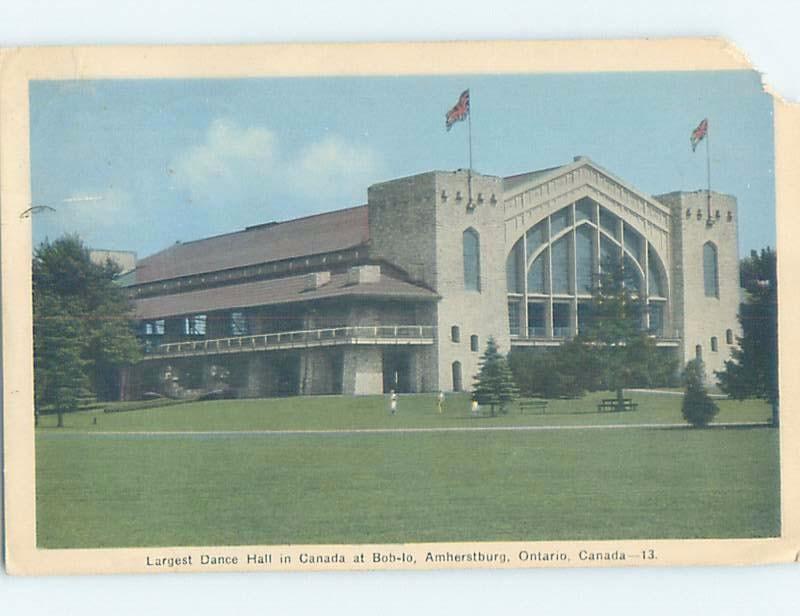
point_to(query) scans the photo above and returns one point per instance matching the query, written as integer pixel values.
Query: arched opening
(557, 262)
(457, 382)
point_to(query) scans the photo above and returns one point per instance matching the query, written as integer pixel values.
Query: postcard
(397, 306)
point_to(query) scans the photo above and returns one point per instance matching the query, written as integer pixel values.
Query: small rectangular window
(238, 324)
(195, 325)
(455, 333)
(714, 345)
(473, 343)
(158, 327)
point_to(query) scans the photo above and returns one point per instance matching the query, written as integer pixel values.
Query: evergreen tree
(698, 408)
(626, 356)
(752, 371)
(494, 384)
(83, 328)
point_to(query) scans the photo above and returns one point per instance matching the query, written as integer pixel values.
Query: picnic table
(539, 405)
(611, 404)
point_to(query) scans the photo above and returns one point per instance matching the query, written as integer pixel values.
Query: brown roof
(271, 292)
(310, 235)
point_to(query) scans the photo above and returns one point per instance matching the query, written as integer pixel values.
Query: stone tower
(705, 275)
(446, 230)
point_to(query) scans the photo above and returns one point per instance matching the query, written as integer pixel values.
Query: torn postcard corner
(397, 306)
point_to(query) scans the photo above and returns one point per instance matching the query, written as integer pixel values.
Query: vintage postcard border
(18, 67)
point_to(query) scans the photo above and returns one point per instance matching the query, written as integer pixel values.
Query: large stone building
(402, 293)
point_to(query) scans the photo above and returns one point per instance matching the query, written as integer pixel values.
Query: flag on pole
(459, 112)
(699, 133)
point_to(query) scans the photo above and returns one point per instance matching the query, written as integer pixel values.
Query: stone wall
(362, 370)
(417, 223)
(698, 317)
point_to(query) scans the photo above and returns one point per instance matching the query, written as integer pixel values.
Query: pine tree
(698, 408)
(752, 371)
(494, 384)
(626, 355)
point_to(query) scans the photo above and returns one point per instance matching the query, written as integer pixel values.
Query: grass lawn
(414, 411)
(130, 489)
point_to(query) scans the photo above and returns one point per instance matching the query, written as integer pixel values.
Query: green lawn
(147, 490)
(340, 412)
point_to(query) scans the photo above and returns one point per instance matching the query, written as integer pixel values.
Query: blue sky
(140, 164)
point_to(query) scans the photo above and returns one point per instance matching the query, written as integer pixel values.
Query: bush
(698, 408)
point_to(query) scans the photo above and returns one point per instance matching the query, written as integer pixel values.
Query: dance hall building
(402, 293)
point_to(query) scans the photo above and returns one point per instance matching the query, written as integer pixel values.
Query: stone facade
(451, 260)
(418, 223)
(706, 319)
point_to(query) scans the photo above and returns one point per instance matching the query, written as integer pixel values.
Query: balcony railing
(380, 334)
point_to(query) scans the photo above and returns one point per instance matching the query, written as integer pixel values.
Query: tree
(752, 371)
(83, 331)
(626, 356)
(494, 384)
(698, 408)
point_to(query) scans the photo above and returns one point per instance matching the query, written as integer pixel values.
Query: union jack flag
(459, 112)
(699, 133)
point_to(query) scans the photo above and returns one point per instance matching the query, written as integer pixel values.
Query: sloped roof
(512, 181)
(321, 233)
(274, 291)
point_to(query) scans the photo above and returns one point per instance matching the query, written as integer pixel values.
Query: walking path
(358, 431)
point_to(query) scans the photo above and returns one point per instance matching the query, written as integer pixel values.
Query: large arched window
(558, 261)
(472, 260)
(710, 270)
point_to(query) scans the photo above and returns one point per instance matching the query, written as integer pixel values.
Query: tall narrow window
(455, 333)
(698, 352)
(728, 336)
(457, 383)
(472, 260)
(710, 270)
(473, 343)
(513, 318)
(714, 344)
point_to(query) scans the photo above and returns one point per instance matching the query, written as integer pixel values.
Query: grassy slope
(129, 490)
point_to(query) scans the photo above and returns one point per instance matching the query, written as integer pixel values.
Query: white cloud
(331, 166)
(228, 161)
(247, 168)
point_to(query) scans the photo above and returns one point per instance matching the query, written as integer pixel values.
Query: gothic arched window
(472, 260)
(710, 270)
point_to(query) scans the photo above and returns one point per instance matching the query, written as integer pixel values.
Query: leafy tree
(494, 384)
(698, 408)
(752, 371)
(625, 355)
(83, 332)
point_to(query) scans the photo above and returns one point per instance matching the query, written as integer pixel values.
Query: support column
(258, 376)
(362, 370)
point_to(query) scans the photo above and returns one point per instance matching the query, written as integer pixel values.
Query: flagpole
(469, 170)
(708, 170)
